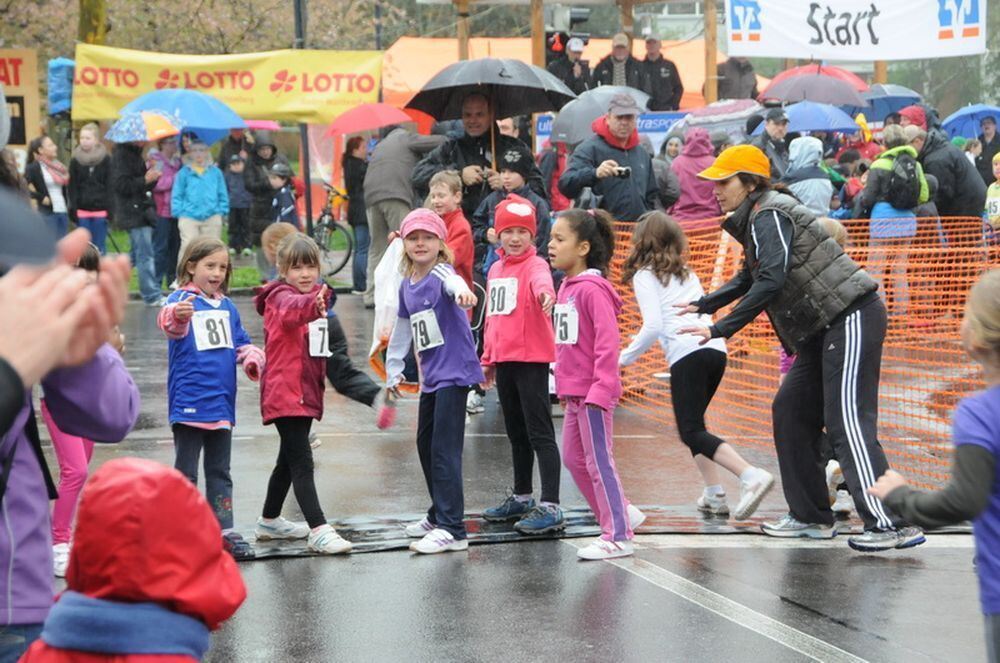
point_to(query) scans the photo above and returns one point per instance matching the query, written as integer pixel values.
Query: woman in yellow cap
(825, 309)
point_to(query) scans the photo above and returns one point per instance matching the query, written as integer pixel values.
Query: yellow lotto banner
(292, 85)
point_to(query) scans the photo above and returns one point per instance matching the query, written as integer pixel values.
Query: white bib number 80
(319, 341)
(212, 330)
(567, 324)
(426, 332)
(503, 296)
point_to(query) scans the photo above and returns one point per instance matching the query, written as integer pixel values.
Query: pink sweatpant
(73, 454)
(587, 453)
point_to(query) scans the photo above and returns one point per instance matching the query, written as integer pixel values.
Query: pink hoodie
(588, 369)
(697, 202)
(525, 334)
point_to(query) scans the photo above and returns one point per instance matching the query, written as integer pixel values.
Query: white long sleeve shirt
(661, 319)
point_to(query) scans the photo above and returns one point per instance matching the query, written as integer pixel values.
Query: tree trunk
(93, 26)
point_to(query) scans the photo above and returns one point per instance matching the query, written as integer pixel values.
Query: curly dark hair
(659, 244)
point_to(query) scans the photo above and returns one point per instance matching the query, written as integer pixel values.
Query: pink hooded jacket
(697, 202)
(588, 369)
(525, 334)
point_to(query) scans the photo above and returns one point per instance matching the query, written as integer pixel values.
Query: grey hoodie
(810, 184)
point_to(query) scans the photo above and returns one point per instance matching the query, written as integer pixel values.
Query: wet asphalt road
(689, 596)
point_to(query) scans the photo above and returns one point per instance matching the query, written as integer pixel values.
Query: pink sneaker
(385, 408)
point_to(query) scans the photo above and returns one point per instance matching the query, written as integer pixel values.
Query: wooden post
(462, 26)
(93, 24)
(711, 52)
(881, 72)
(628, 19)
(537, 34)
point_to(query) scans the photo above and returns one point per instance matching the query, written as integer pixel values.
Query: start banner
(856, 29)
(306, 86)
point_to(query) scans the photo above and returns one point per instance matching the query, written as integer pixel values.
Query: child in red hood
(148, 576)
(296, 340)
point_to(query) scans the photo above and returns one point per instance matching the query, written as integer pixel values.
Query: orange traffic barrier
(925, 372)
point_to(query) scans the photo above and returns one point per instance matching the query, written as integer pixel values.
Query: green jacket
(877, 186)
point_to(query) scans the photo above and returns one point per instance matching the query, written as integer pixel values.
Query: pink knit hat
(423, 219)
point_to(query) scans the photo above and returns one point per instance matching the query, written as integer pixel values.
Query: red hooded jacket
(459, 240)
(144, 534)
(293, 385)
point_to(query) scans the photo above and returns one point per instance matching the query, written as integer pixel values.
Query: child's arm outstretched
(297, 309)
(541, 286)
(247, 353)
(455, 286)
(395, 354)
(175, 319)
(647, 295)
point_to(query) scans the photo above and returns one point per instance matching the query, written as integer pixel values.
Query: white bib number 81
(567, 324)
(426, 332)
(212, 330)
(319, 341)
(503, 296)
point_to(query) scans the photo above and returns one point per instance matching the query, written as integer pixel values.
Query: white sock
(268, 521)
(749, 474)
(523, 498)
(714, 491)
(549, 504)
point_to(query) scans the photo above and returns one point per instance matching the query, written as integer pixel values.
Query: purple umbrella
(812, 87)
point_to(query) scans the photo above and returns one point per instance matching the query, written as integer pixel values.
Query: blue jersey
(201, 377)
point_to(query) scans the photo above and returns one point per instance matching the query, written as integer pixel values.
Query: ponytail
(597, 228)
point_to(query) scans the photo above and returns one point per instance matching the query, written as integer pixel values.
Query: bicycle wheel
(336, 243)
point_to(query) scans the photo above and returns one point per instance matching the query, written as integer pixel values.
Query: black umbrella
(513, 87)
(26, 237)
(814, 87)
(572, 125)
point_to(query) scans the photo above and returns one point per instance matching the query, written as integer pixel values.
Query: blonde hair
(92, 128)
(444, 255)
(272, 236)
(449, 178)
(835, 229)
(296, 250)
(983, 313)
(196, 251)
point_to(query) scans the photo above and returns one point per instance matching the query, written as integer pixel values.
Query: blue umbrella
(144, 126)
(884, 98)
(814, 116)
(965, 121)
(203, 114)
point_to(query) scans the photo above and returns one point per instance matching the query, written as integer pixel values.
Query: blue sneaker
(542, 519)
(510, 509)
(237, 546)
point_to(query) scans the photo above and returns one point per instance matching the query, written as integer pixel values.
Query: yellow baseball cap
(738, 159)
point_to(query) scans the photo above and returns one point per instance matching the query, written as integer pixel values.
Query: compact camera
(623, 171)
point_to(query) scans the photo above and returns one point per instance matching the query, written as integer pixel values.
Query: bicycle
(334, 237)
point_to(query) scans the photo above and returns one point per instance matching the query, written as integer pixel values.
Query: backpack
(904, 183)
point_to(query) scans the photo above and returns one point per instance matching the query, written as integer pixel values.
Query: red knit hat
(514, 212)
(916, 115)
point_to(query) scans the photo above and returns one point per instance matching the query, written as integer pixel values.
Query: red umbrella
(367, 117)
(823, 70)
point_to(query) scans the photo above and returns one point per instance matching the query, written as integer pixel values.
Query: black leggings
(294, 468)
(693, 381)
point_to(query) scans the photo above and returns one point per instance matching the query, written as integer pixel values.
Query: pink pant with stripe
(73, 454)
(587, 439)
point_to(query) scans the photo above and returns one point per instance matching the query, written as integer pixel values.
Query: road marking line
(739, 614)
(956, 541)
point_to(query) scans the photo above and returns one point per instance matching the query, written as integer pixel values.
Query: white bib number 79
(426, 332)
(503, 296)
(567, 324)
(212, 330)
(319, 340)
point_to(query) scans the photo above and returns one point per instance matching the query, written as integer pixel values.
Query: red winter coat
(460, 242)
(292, 386)
(145, 535)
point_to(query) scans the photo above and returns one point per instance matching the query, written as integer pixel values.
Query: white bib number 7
(319, 340)
(426, 332)
(212, 330)
(567, 324)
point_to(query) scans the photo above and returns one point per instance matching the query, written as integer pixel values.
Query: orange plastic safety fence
(925, 372)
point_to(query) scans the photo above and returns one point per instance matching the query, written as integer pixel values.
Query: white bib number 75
(567, 324)
(212, 330)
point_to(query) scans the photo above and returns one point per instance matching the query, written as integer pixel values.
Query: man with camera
(613, 164)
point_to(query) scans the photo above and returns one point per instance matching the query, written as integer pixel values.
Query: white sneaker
(602, 549)
(324, 539)
(834, 477)
(635, 517)
(279, 528)
(314, 440)
(60, 559)
(474, 403)
(752, 493)
(714, 505)
(418, 530)
(843, 503)
(438, 541)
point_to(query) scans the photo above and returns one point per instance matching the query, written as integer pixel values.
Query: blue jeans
(142, 245)
(166, 244)
(98, 227)
(15, 640)
(59, 223)
(362, 240)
